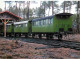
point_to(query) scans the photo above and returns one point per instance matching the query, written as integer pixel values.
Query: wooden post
(4, 29)
(77, 17)
(5, 22)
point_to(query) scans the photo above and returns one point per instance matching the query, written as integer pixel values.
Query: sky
(32, 5)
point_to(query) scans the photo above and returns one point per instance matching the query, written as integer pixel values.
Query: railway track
(50, 43)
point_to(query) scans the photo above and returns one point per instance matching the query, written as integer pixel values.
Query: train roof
(43, 18)
(21, 22)
(8, 24)
(60, 14)
(63, 14)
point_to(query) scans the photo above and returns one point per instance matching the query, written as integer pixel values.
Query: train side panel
(21, 28)
(8, 28)
(64, 24)
(17, 28)
(54, 24)
(43, 27)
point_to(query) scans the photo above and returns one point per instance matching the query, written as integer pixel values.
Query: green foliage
(40, 12)
(14, 10)
(48, 5)
(30, 12)
(66, 5)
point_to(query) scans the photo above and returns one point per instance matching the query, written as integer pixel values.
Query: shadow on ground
(50, 43)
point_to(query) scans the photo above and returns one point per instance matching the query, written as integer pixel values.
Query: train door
(30, 27)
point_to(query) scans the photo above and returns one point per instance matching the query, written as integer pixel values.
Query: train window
(8, 26)
(16, 26)
(43, 22)
(19, 25)
(26, 25)
(33, 23)
(51, 20)
(38, 23)
(63, 16)
(46, 21)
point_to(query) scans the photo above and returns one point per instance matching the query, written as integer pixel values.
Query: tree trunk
(52, 8)
(9, 4)
(44, 10)
(78, 17)
(49, 9)
(28, 4)
(64, 7)
(5, 5)
(19, 8)
(16, 4)
(24, 11)
(70, 8)
(16, 8)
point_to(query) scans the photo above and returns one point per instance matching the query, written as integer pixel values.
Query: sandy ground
(10, 49)
(74, 37)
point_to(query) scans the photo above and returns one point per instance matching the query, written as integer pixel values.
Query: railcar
(52, 25)
(9, 29)
(56, 25)
(17, 28)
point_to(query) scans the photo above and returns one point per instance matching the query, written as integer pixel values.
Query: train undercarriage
(35, 35)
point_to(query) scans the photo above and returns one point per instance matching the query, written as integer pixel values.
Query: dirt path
(10, 49)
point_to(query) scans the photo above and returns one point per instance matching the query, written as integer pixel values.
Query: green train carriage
(9, 29)
(48, 26)
(17, 28)
(52, 25)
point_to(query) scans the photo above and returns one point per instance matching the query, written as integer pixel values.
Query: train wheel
(26, 35)
(33, 35)
(9, 35)
(20, 35)
(47, 36)
(15, 35)
(39, 35)
(51, 36)
(60, 37)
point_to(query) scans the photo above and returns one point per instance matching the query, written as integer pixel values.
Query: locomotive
(50, 26)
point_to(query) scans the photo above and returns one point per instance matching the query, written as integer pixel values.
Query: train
(50, 26)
